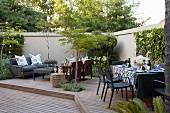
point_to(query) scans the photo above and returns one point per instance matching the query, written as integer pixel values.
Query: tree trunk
(167, 55)
(1, 57)
(76, 67)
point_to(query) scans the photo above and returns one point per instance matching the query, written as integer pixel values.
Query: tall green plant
(5, 72)
(151, 41)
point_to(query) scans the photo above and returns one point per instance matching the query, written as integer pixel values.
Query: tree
(45, 25)
(5, 31)
(46, 7)
(16, 14)
(102, 53)
(167, 55)
(82, 43)
(103, 15)
(76, 38)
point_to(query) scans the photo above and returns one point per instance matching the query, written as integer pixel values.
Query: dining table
(142, 80)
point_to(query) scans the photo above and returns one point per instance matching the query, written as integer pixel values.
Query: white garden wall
(35, 43)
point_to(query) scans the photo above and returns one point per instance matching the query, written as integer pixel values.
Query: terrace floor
(40, 97)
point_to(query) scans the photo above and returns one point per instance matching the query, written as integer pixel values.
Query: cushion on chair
(69, 61)
(160, 91)
(83, 59)
(21, 60)
(13, 61)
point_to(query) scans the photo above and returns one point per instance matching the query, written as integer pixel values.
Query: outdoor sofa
(23, 71)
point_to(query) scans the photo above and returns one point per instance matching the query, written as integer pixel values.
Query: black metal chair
(158, 88)
(113, 86)
(102, 79)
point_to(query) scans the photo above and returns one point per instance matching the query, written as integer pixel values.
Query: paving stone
(35, 103)
(13, 101)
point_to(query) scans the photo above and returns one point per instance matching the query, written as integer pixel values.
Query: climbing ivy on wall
(151, 42)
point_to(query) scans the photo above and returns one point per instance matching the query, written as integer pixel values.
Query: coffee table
(42, 71)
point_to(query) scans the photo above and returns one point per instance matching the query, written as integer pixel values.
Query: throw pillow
(84, 59)
(35, 59)
(70, 60)
(21, 60)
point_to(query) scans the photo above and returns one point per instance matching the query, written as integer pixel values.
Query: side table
(57, 79)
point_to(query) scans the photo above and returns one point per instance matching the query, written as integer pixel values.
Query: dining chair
(87, 68)
(102, 78)
(158, 88)
(70, 71)
(113, 86)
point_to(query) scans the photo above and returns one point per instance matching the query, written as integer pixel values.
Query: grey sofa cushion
(29, 68)
(13, 61)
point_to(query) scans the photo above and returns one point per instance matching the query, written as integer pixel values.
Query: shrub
(74, 87)
(158, 105)
(5, 71)
(138, 106)
(151, 42)
(49, 61)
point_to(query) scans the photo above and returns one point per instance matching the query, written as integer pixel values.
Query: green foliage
(74, 87)
(49, 61)
(80, 41)
(158, 105)
(15, 14)
(151, 41)
(13, 44)
(5, 72)
(107, 15)
(102, 53)
(135, 106)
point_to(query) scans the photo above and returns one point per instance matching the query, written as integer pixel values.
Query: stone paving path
(44, 104)
(14, 101)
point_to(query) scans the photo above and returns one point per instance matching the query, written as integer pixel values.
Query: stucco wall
(35, 43)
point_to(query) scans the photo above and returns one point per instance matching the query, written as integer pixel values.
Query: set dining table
(141, 80)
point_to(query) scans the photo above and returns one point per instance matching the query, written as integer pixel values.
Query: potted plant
(50, 62)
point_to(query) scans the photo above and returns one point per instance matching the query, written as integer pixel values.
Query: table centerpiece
(139, 61)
